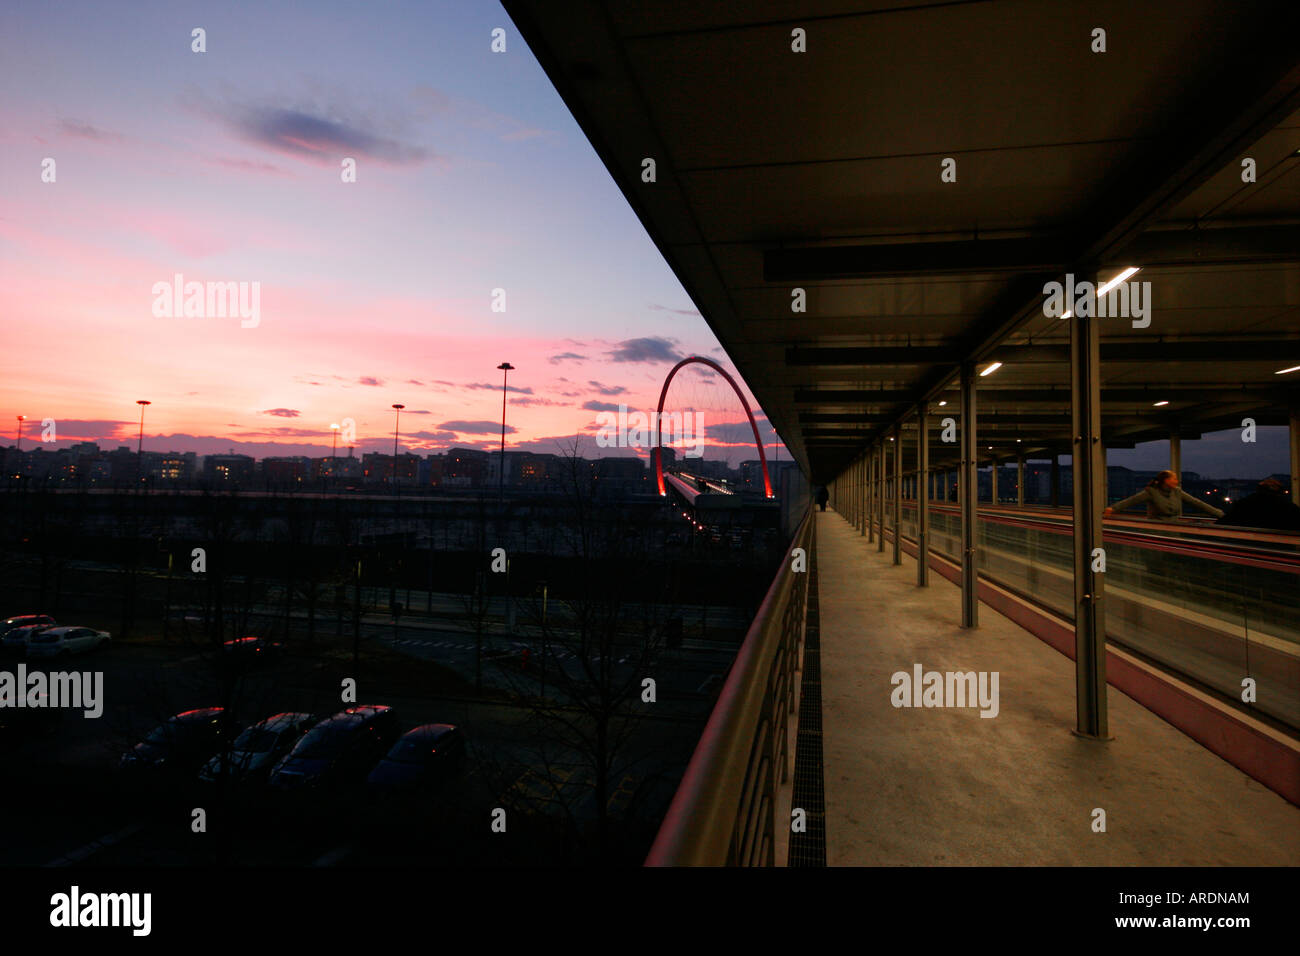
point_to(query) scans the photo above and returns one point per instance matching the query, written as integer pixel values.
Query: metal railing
(724, 811)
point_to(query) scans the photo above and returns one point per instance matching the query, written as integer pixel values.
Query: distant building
(122, 465)
(621, 477)
(229, 469)
(464, 467)
(620, 468)
(287, 470)
(377, 469)
(338, 468)
(430, 473)
(669, 455)
(171, 466)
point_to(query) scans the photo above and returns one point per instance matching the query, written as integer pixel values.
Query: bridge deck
(943, 786)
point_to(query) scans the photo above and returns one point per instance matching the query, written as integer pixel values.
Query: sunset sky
(225, 166)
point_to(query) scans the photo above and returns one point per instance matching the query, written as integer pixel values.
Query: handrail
(723, 813)
(1271, 550)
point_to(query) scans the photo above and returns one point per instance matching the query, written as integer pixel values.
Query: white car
(57, 641)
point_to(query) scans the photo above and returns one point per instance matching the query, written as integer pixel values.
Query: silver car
(61, 641)
(258, 748)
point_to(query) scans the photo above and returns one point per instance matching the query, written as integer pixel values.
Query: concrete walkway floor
(944, 786)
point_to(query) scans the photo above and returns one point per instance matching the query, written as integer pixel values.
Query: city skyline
(481, 226)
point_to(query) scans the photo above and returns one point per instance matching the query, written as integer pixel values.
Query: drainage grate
(809, 848)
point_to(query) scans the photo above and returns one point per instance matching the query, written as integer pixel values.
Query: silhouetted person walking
(823, 496)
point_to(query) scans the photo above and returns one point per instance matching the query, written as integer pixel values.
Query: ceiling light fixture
(1106, 287)
(1283, 371)
(991, 369)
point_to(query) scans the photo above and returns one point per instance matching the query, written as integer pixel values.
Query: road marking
(94, 846)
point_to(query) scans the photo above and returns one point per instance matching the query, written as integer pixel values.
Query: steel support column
(857, 494)
(862, 494)
(922, 497)
(898, 494)
(1294, 423)
(851, 512)
(871, 494)
(1088, 465)
(880, 499)
(1020, 481)
(1176, 453)
(966, 494)
(993, 478)
(1055, 492)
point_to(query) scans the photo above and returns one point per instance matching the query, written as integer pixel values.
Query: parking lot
(79, 807)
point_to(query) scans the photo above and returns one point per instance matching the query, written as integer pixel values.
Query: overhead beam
(888, 260)
(1146, 352)
(883, 355)
(1050, 253)
(824, 397)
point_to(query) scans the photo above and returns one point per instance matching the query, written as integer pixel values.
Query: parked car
(25, 620)
(181, 744)
(338, 750)
(61, 641)
(428, 754)
(259, 748)
(247, 652)
(15, 639)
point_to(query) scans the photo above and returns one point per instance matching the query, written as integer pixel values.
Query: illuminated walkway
(933, 786)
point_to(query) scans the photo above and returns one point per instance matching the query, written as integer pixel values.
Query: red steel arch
(659, 420)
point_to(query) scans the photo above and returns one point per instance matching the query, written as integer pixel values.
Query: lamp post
(21, 419)
(334, 449)
(397, 409)
(139, 448)
(506, 369)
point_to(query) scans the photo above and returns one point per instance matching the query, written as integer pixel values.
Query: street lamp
(506, 369)
(21, 419)
(139, 448)
(334, 449)
(398, 411)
